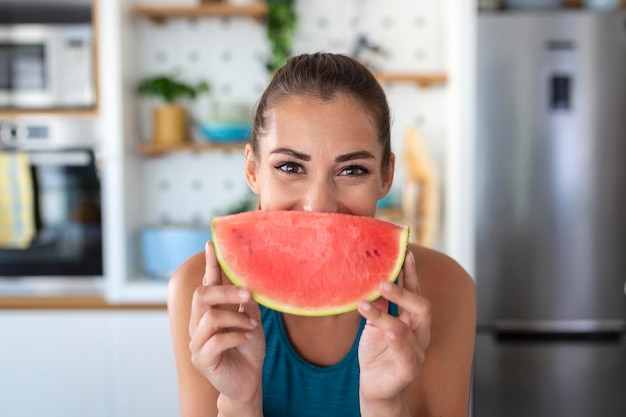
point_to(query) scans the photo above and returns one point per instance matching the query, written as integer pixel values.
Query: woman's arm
(218, 342)
(443, 385)
(197, 396)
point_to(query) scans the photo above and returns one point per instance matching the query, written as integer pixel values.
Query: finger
(211, 352)
(210, 297)
(216, 295)
(406, 300)
(409, 272)
(415, 310)
(209, 355)
(251, 308)
(399, 336)
(410, 283)
(216, 321)
(379, 318)
(212, 270)
(381, 303)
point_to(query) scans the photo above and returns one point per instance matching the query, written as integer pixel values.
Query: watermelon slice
(306, 263)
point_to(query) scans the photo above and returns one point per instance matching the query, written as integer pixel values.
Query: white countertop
(51, 286)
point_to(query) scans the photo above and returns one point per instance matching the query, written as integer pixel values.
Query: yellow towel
(17, 214)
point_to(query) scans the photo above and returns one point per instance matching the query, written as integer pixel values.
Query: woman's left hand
(391, 349)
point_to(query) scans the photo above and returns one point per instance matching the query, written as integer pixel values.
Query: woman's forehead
(306, 121)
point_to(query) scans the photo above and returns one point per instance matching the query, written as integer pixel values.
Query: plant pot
(169, 124)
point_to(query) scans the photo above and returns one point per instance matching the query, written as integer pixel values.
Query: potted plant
(169, 120)
(281, 25)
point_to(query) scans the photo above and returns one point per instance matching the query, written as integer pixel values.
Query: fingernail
(243, 295)
(391, 335)
(386, 286)
(411, 256)
(365, 305)
(253, 322)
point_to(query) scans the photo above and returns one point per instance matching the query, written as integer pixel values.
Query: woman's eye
(290, 168)
(354, 171)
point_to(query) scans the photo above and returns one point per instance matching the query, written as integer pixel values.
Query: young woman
(321, 142)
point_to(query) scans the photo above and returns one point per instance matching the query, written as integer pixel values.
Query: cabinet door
(145, 374)
(52, 364)
(549, 377)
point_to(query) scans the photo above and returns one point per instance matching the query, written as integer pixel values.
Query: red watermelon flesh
(309, 263)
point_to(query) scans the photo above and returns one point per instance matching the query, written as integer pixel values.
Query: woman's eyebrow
(354, 155)
(291, 152)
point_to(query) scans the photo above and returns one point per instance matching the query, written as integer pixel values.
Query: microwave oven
(47, 66)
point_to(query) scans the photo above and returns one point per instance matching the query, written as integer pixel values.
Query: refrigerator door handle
(558, 330)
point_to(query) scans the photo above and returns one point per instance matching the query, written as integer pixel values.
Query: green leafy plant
(169, 88)
(246, 203)
(281, 26)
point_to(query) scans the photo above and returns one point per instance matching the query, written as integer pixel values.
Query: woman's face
(319, 156)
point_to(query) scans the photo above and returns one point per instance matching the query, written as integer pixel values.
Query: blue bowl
(224, 131)
(164, 249)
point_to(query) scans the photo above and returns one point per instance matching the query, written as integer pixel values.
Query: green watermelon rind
(344, 308)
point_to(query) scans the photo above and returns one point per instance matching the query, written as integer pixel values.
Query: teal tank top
(294, 387)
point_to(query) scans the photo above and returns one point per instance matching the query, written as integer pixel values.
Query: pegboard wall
(229, 53)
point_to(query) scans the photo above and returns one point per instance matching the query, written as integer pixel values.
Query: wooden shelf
(421, 79)
(10, 113)
(158, 14)
(70, 303)
(155, 150)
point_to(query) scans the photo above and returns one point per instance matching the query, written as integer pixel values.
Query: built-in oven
(64, 181)
(46, 55)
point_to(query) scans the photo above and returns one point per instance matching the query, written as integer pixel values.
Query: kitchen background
(100, 346)
(423, 59)
(234, 65)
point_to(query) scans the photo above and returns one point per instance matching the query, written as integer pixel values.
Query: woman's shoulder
(187, 277)
(443, 385)
(443, 281)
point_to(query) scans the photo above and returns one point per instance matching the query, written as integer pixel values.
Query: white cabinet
(144, 379)
(53, 364)
(106, 363)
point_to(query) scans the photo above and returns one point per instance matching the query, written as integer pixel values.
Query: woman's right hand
(227, 341)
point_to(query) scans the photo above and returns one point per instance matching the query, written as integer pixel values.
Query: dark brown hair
(324, 76)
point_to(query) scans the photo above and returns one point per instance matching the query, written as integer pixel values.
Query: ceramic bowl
(164, 249)
(226, 131)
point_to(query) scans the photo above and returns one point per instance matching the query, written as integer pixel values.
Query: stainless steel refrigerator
(551, 215)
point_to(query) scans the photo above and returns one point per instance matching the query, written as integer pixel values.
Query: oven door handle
(76, 158)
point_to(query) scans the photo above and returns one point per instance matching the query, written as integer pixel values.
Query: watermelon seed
(368, 253)
(376, 252)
